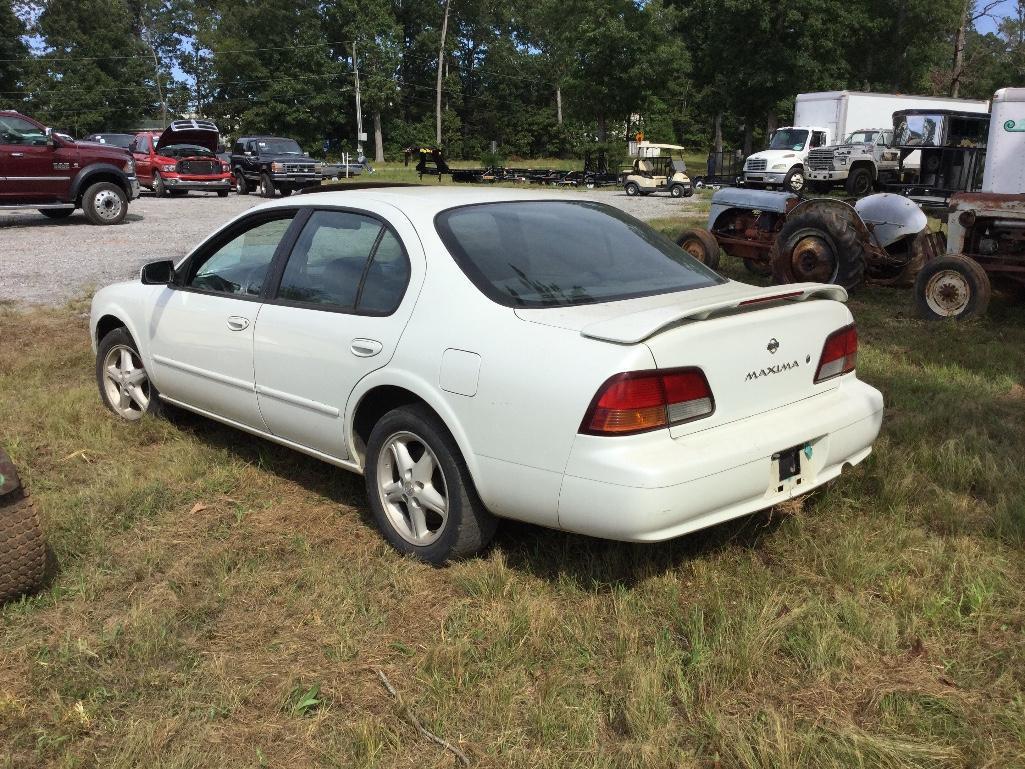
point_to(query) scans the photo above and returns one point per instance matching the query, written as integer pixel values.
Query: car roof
(424, 200)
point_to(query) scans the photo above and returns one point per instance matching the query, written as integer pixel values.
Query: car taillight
(638, 401)
(839, 354)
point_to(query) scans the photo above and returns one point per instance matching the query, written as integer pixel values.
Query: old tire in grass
(22, 545)
(420, 490)
(701, 244)
(122, 378)
(105, 203)
(818, 247)
(952, 287)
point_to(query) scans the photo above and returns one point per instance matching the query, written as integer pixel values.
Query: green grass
(225, 602)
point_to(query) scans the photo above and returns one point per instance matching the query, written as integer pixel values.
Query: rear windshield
(556, 253)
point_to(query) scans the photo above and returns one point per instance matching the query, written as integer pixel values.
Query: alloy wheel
(125, 382)
(412, 488)
(108, 205)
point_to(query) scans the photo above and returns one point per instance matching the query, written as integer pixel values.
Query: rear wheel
(56, 213)
(420, 490)
(952, 287)
(105, 203)
(818, 247)
(631, 189)
(859, 182)
(701, 244)
(22, 546)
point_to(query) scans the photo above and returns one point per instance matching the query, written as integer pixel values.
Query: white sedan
(496, 354)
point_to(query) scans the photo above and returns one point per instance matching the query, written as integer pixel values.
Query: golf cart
(657, 168)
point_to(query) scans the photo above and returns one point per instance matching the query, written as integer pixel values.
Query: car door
(32, 167)
(143, 159)
(337, 314)
(202, 329)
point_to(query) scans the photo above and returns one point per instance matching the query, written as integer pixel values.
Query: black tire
(818, 247)
(794, 180)
(285, 191)
(688, 192)
(678, 191)
(468, 526)
(159, 188)
(631, 189)
(120, 338)
(859, 182)
(701, 244)
(105, 203)
(22, 545)
(266, 186)
(222, 193)
(758, 267)
(241, 185)
(952, 287)
(56, 213)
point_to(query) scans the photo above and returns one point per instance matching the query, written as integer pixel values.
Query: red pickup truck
(53, 173)
(181, 158)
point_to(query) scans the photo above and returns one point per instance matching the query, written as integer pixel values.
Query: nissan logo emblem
(772, 346)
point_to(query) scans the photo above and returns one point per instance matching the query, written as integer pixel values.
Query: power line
(34, 59)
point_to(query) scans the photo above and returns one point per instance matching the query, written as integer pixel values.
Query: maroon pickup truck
(53, 173)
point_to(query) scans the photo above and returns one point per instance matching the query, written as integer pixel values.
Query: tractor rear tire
(702, 245)
(952, 287)
(22, 546)
(818, 247)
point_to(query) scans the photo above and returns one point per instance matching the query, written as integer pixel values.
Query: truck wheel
(159, 188)
(859, 182)
(285, 191)
(241, 185)
(794, 181)
(56, 213)
(266, 186)
(105, 203)
(952, 287)
(818, 247)
(701, 244)
(22, 546)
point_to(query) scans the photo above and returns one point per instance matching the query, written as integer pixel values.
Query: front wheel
(266, 186)
(159, 188)
(631, 189)
(420, 490)
(222, 193)
(241, 185)
(678, 191)
(952, 287)
(794, 181)
(859, 182)
(701, 244)
(124, 382)
(105, 203)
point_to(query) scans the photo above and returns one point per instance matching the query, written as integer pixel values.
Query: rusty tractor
(882, 238)
(22, 547)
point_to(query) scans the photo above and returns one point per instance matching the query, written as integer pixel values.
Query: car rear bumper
(651, 487)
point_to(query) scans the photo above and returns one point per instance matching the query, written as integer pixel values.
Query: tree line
(536, 77)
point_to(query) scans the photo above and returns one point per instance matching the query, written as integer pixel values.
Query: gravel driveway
(49, 262)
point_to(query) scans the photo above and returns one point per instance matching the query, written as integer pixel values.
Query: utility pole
(360, 136)
(441, 58)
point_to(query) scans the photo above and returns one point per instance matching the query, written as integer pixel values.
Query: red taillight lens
(839, 354)
(639, 401)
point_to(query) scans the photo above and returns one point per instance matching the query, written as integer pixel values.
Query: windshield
(123, 141)
(279, 146)
(185, 150)
(788, 139)
(861, 137)
(550, 253)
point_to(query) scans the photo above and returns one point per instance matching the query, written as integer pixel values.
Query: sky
(1005, 8)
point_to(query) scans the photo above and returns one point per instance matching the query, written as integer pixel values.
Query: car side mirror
(157, 273)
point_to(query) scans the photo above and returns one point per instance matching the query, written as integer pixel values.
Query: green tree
(13, 54)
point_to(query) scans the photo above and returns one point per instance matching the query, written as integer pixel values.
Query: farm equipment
(657, 168)
(986, 229)
(430, 161)
(884, 238)
(724, 168)
(22, 547)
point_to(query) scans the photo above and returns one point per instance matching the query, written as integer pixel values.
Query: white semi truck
(822, 121)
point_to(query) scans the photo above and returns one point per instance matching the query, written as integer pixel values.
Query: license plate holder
(789, 461)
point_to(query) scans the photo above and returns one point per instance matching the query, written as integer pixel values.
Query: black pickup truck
(272, 164)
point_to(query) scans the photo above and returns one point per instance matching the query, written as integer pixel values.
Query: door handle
(17, 154)
(238, 323)
(365, 348)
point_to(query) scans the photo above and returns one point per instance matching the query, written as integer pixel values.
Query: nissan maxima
(479, 355)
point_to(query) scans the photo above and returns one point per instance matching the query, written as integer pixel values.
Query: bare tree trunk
(601, 128)
(959, 45)
(378, 139)
(717, 140)
(558, 104)
(771, 124)
(748, 138)
(441, 61)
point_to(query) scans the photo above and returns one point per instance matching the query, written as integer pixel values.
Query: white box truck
(822, 121)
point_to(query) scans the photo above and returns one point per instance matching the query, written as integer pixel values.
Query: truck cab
(783, 163)
(862, 159)
(273, 164)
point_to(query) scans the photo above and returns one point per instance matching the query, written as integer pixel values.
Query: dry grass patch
(225, 602)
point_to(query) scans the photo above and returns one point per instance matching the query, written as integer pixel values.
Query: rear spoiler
(636, 327)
